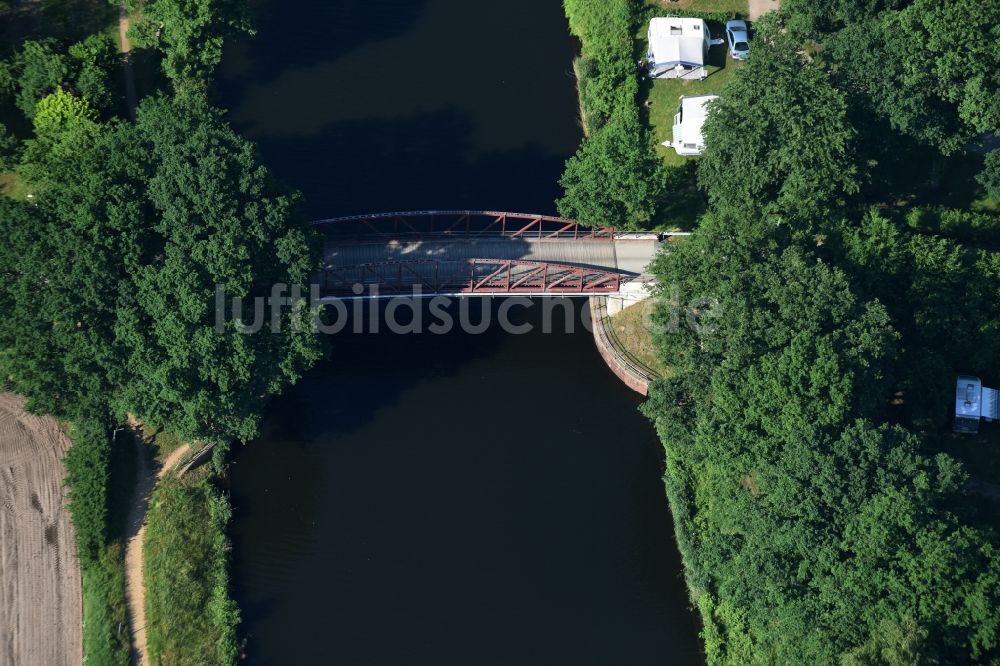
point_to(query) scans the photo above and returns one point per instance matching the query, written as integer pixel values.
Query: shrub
(989, 177)
(106, 629)
(958, 224)
(615, 179)
(87, 470)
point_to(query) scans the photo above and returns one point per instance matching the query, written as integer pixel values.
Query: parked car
(738, 39)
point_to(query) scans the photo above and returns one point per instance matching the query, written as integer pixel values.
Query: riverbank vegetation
(190, 35)
(822, 508)
(190, 618)
(114, 245)
(100, 478)
(615, 178)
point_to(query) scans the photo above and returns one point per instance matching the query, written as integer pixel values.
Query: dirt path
(130, 94)
(135, 591)
(41, 603)
(760, 7)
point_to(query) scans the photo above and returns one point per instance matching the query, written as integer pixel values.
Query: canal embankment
(626, 357)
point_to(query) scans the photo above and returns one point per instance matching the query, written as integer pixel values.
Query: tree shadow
(425, 162)
(68, 21)
(328, 29)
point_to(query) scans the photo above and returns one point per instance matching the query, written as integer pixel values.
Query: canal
(455, 498)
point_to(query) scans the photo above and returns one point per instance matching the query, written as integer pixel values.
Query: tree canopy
(191, 34)
(780, 136)
(615, 178)
(817, 518)
(928, 67)
(113, 270)
(42, 66)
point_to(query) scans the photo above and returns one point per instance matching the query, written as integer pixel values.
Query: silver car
(738, 39)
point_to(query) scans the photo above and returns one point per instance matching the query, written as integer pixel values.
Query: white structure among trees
(973, 402)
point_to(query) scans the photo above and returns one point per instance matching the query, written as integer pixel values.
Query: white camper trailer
(678, 48)
(687, 138)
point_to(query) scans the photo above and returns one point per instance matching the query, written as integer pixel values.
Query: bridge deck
(629, 256)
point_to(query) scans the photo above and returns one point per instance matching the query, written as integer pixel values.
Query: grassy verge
(105, 615)
(632, 330)
(190, 617)
(164, 443)
(710, 6)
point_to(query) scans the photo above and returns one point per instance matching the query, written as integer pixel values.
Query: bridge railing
(468, 276)
(443, 223)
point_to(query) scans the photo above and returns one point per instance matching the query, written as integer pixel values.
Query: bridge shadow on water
(458, 499)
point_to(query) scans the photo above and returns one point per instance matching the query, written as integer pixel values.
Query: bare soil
(759, 7)
(41, 604)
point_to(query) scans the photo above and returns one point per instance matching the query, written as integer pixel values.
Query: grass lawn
(632, 330)
(737, 6)
(164, 443)
(12, 186)
(662, 97)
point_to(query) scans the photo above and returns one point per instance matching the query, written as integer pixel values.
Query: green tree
(191, 34)
(616, 178)
(42, 69)
(96, 58)
(919, 68)
(989, 177)
(812, 19)
(214, 216)
(779, 139)
(112, 274)
(60, 256)
(811, 531)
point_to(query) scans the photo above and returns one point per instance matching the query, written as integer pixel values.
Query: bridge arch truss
(462, 223)
(468, 276)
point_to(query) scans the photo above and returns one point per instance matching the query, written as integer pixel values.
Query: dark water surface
(376, 105)
(442, 499)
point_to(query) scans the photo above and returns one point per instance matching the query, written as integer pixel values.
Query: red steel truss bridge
(462, 223)
(476, 252)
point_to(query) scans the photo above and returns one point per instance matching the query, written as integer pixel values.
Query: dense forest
(112, 252)
(822, 506)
